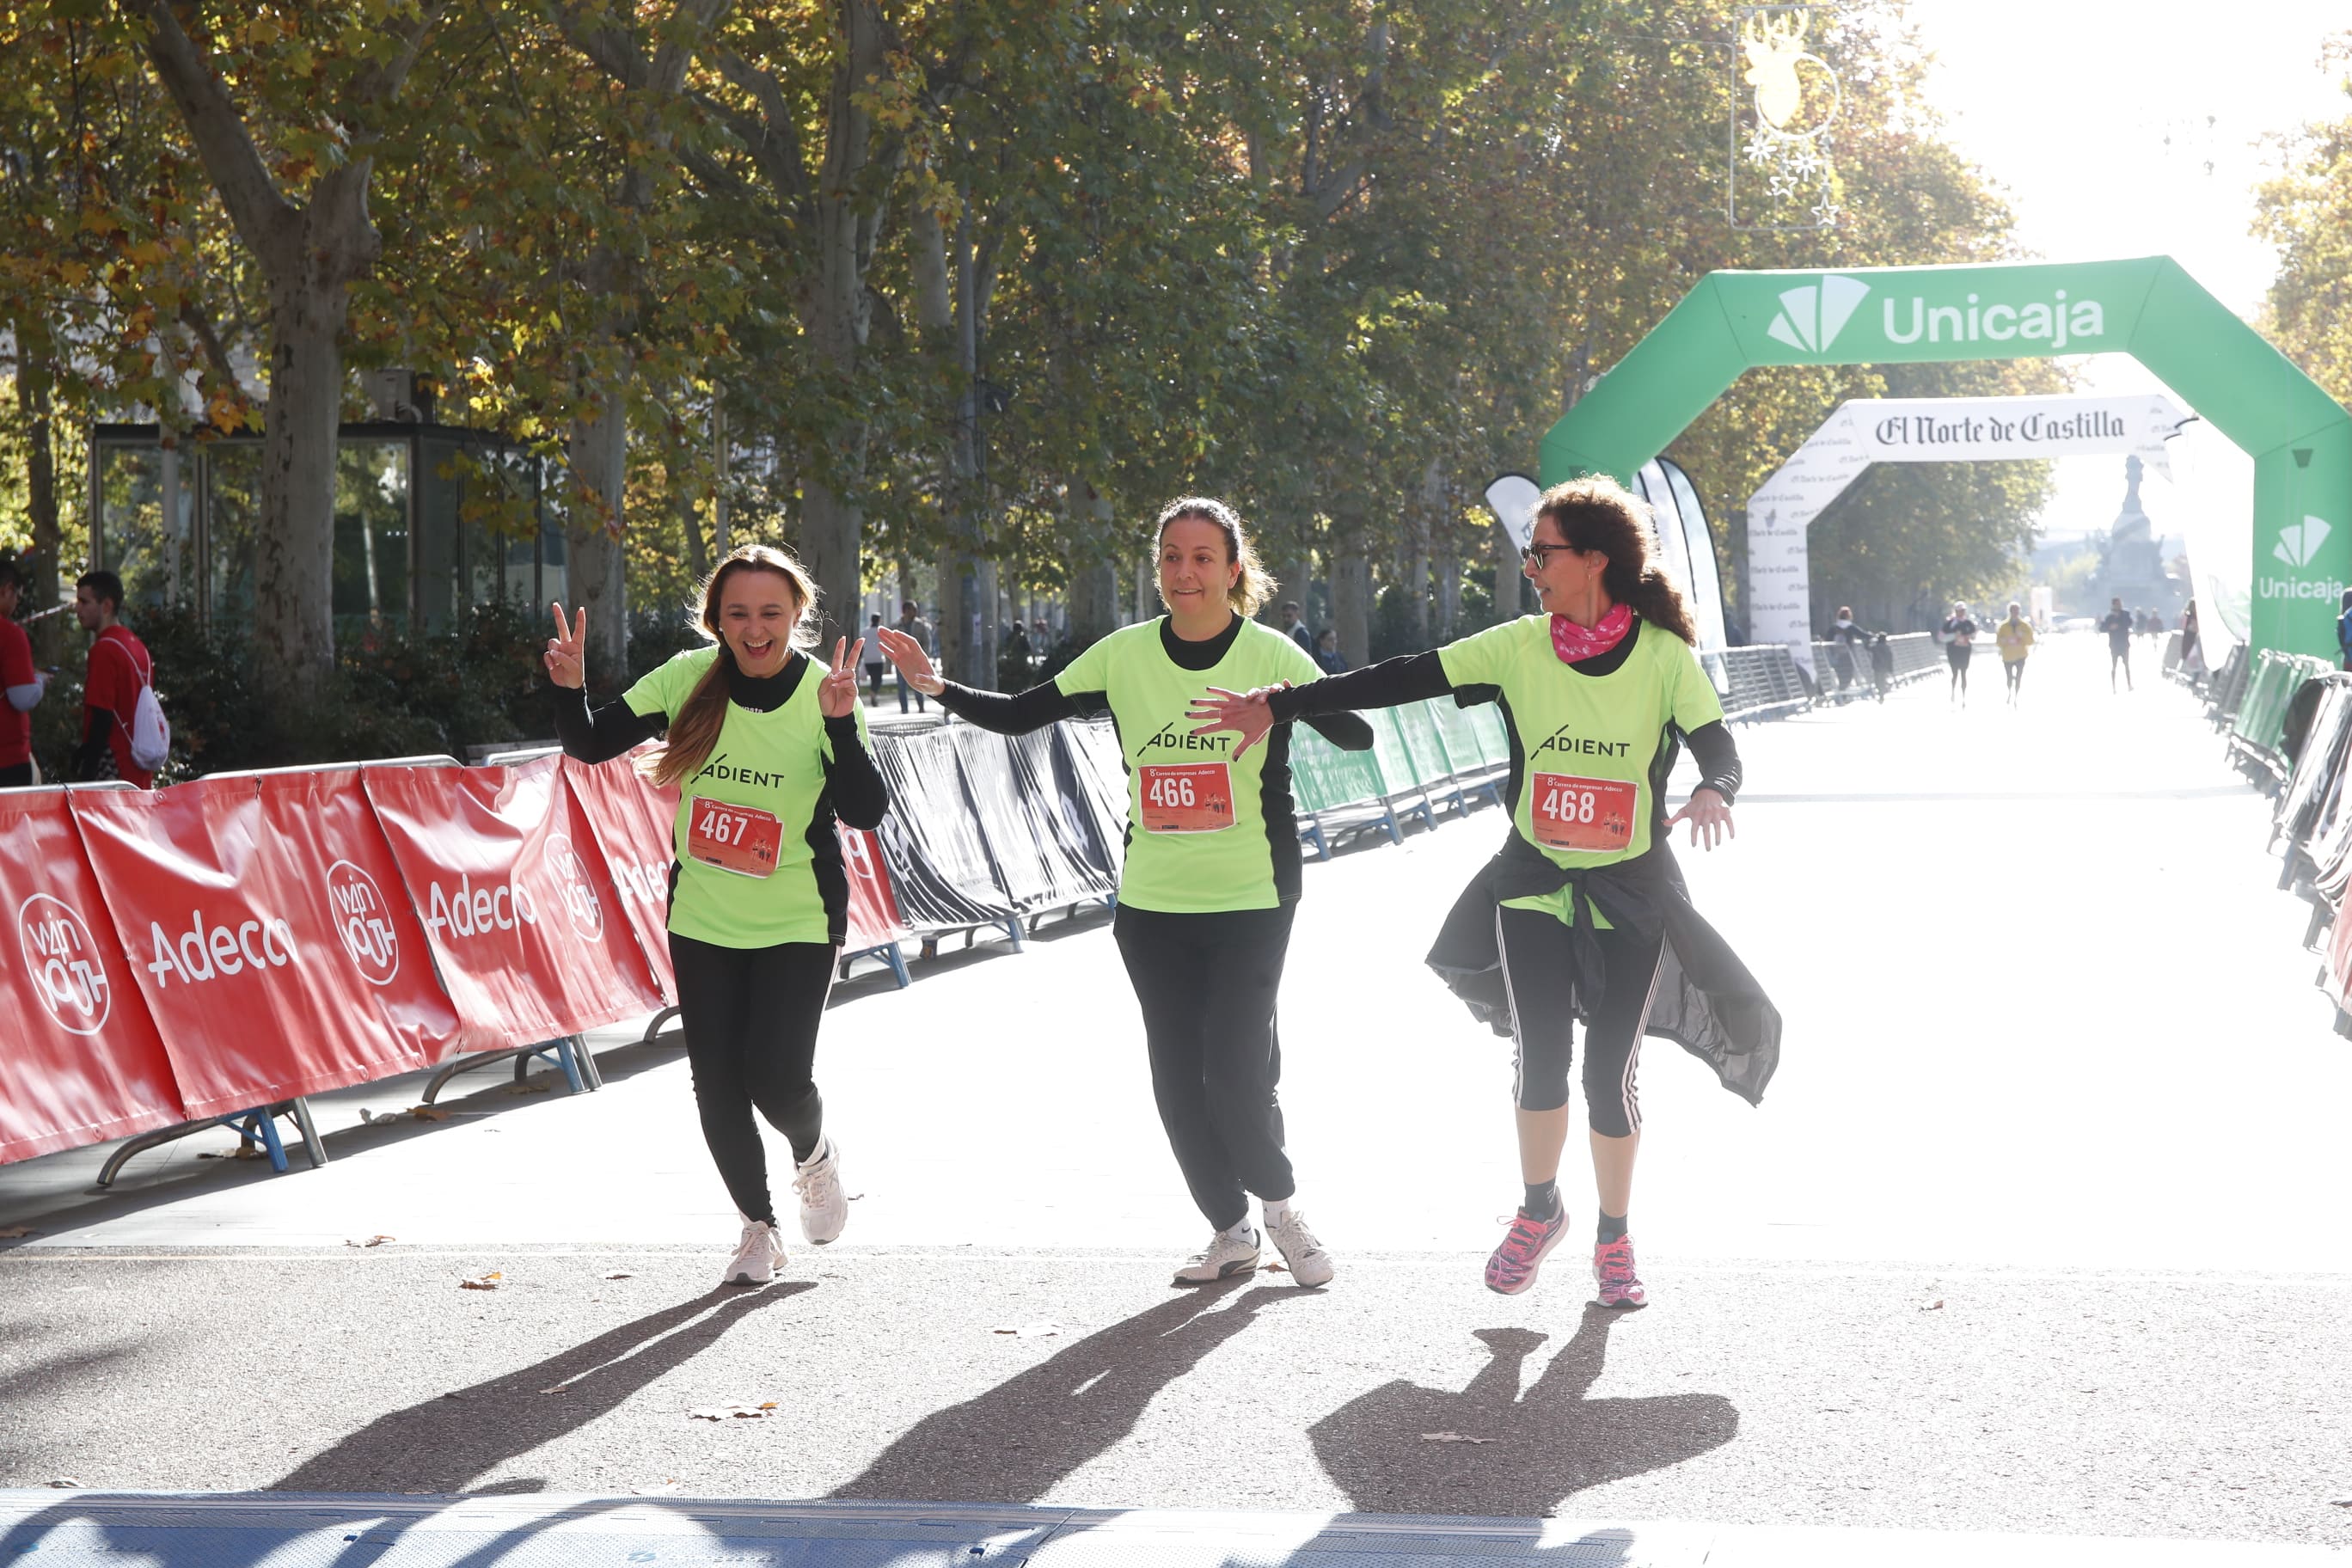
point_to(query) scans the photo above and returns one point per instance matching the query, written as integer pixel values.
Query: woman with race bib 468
(766, 748)
(1583, 914)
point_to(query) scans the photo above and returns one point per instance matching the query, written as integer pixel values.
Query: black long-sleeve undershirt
(852, 782)
(1017, 713)
(1415, 677)
(91, 757)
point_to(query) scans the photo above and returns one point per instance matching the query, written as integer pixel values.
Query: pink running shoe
(1512, 1266)
(1612, 1265)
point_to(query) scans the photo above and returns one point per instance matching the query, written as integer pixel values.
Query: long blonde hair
(1255, 585)
(694, 733)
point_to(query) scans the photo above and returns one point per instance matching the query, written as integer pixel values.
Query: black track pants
(1207, 985)
(1539, 977)
(751, 1016)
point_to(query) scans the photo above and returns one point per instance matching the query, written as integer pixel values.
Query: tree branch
(269, 223)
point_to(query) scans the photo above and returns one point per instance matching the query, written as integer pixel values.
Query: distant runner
(2014, 637)
(1583, 913)
(1959, 633)
(1211, 873)
(766, 747)
(2118, 627)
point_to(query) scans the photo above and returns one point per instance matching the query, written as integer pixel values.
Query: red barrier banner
(254, 917)
(83, 1063)
(503, 868)
(873, 905)
(632, 820)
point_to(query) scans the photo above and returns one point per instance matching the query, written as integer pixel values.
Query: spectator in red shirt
(119, 666)
(19, 681)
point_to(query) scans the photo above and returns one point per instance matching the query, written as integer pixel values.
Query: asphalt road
(2039, 1230)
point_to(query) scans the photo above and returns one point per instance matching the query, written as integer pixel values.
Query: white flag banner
(1921, 430)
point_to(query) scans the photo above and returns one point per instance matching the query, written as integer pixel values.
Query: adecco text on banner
(477, 911)
(204, 952)
(63, 960)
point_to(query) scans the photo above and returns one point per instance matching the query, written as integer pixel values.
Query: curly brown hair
(1597, 513)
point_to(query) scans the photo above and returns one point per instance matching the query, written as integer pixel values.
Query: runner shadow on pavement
(451, 1440)
(1543, 1445)
(1016, 1442)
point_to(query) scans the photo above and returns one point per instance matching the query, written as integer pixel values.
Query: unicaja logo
(2298, 542)
(1812, 316)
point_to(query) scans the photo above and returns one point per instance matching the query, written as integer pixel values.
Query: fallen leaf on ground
(1935, 1306)
(486, 1282)
(428, 1113)
(371, 1241)
(1027, 1330)
(656, 1488)
(538, 1086)
(734, 1411)
(559, 1388)
(16, 1232)
(65, 1482)
(1453, 1438)
(1277, 1268)
(619, 1274)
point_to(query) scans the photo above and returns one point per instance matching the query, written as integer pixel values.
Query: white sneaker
(1222, 1260)
(757, 1256)
(823, 1209)
(1301, 1253)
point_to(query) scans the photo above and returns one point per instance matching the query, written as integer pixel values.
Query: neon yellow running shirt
(1205, 831)
(1591, 744)
(749, 876)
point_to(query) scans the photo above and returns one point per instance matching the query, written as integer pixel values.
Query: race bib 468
(1571, 813)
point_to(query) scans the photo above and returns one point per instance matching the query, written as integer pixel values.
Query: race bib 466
(1190, 797)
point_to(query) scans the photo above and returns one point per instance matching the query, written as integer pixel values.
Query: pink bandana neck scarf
(1575, 644)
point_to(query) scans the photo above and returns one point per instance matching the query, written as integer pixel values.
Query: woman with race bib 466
(1210, 874)
(766, 747)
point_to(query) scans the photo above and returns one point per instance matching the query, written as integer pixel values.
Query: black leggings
(1207, 985)
(1538, 977)
(1957, 655)
(751, 1016)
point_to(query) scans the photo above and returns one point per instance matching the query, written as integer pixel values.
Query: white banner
(1920, 430)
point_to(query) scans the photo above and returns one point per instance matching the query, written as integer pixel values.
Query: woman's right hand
(913, 664)
(566, 664)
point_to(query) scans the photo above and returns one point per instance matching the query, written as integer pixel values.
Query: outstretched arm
(1390, 683)
(1007, 713)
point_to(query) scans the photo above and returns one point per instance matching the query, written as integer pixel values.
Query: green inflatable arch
(2300, 438)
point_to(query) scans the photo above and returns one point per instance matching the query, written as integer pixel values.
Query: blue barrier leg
(1012, 928)
(571, 1066)
(266, 1129)
(897, 963)
(1389, 820)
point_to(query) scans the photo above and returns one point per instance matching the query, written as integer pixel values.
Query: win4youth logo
(2299, 543)
(1811, 317)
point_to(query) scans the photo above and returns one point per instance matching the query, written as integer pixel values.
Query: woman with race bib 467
(1212, 870)
(766, 747)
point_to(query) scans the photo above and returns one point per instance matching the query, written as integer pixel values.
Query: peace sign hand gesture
(836, 696)
(566, 664)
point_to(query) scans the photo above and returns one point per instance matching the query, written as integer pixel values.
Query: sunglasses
(1539, 555)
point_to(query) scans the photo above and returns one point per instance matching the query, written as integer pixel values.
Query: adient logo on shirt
(1569, 746)
(62, 960)
(725, 772)
(1173, 740)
